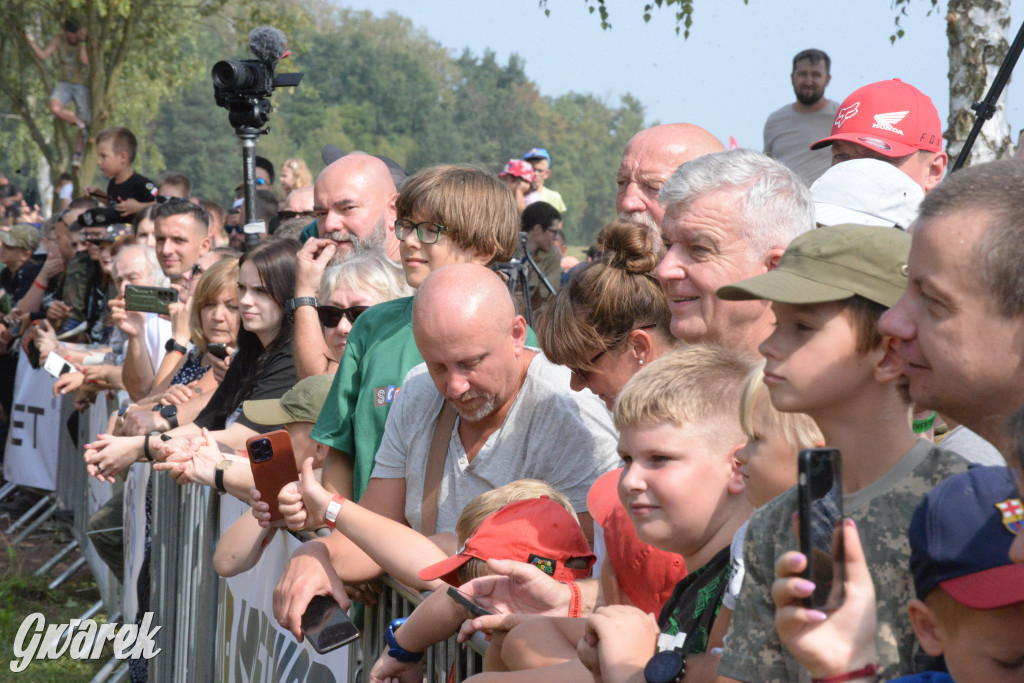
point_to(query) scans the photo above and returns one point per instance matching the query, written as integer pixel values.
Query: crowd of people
(616, 478)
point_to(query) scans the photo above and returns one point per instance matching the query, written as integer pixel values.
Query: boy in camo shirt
(827, 359)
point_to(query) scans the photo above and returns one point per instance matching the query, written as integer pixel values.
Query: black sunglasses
(288, 215)
(330, 316)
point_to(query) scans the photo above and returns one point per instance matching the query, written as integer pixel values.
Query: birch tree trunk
(978, 43)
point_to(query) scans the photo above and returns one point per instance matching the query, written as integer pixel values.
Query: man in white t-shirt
(516, 418)
(789, 131)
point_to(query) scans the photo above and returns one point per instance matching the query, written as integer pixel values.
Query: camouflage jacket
(882, 511)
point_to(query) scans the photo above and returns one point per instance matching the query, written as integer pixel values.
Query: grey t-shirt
(972, 447)
(789, 134)
(563, 437)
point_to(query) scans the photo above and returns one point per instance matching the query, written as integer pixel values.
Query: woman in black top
(261, 368)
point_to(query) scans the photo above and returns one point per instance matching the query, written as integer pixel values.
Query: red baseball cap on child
(519, 169)
(537, 531)
(645, 574)
(892, 118)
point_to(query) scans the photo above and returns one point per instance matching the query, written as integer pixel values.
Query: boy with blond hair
(827, 359)
(678, 436)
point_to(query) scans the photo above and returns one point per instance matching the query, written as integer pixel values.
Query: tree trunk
(978, 43)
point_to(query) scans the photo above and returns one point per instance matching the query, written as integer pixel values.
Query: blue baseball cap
(537, 153)
(960, 537)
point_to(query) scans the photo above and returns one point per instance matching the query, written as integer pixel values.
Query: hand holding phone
(475, 606)
(326, 625)
(149, 299)
(57, 366)
(820, 491)
(273, 466)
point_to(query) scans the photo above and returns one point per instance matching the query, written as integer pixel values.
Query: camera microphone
(268, 44)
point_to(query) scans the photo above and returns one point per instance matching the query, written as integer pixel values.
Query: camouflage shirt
(882, 511)
(79, 279)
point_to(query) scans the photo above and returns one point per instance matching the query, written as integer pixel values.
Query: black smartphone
(32, 351)
(149, 299)
(476, 606)
(218, 350)
(326, 625)
(820, 489)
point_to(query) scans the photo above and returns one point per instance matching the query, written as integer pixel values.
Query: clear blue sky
(731, 72)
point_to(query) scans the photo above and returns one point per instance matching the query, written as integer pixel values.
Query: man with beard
(354, 202)
(503, 411)
(789, 132)
(649, 159)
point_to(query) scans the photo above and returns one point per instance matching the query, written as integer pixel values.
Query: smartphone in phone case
(326, 625)
(149, 299)
(273, 466)
(820, 492)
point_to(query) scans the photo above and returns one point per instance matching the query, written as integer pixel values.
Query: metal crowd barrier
(73, 494)
(183, 585)
(449, 657)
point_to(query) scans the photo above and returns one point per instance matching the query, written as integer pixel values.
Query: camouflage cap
(833, 264)
(21, 236)
(301, 403)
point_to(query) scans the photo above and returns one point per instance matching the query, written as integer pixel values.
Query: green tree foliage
(379, 85)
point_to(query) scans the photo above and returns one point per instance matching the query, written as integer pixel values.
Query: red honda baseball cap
(644, 573)
(537, 531)
(892, 118)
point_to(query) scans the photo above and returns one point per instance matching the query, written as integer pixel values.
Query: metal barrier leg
(78, 564)
(36, 523)
(55, 560)
(6, 489)
(114, 670)
(93, 611)
(32, 512)
(111, 673)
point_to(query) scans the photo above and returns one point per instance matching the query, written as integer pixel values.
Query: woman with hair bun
(612, 317)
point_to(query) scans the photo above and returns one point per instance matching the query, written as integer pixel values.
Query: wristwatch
(173, 345)
(218, 475)
(668, 666)
(170, 413)
(396, 651)
(292, 304)
(333, 508)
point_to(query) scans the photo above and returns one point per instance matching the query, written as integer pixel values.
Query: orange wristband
(575, 600)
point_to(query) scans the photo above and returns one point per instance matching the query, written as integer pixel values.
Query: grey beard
(643, 218)
(374, 243)
(486, 409)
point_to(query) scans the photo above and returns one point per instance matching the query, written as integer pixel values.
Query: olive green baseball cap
(833, 264)
(21, 236)
(301, 403)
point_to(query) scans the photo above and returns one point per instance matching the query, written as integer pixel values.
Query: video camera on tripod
(242, 86)
(517, 275)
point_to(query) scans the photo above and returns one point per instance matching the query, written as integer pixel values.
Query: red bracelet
(575, 600)
(869, 670)
(36, 283)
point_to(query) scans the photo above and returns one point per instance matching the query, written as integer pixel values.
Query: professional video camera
(242, 86)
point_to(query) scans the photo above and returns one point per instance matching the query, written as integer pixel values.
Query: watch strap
(218, 478)
(298, 302)
(396, 651)
(173, 345)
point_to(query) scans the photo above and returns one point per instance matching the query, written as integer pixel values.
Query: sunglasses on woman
(330, 316)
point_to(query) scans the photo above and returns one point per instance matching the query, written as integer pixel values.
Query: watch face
(664, 667)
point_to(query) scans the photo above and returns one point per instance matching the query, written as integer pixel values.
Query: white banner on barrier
(255, 648)
(31, 456)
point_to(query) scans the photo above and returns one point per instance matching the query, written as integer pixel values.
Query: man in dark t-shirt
(17, 249)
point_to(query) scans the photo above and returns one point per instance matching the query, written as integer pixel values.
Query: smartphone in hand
(217, 350)
(326, 625)
(820, 491)
(273, 466)
(149, 299)
(475, 606)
